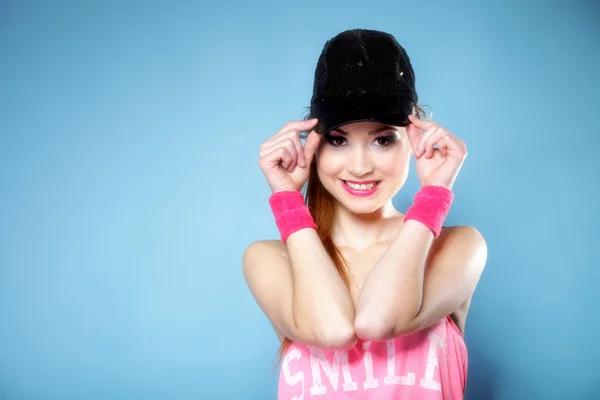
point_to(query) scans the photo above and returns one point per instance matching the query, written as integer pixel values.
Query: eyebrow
(373, 132)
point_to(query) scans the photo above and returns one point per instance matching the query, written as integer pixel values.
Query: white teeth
(360, 187)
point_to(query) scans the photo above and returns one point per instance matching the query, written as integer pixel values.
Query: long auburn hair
(321, 205)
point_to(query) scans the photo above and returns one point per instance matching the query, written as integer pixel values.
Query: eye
(335, 141)
(385, 141)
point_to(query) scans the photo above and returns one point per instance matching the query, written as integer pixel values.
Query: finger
(414, 135)
(423, 140)
(299, 151)
(312, 144)
(283, 142)
(297, 126)
(434, 140)
(289, 146)
(277, 138)
(443, 145)
(278, 157)
(450, 145)
(290, 137)
(291, 129)
(455, 148)
(421, 124)
(288, 149)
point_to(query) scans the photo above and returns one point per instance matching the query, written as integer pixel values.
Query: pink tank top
(429, 364)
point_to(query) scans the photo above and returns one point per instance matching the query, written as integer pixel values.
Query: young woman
(368, 303)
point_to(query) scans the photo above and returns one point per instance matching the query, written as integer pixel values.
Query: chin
(361, 204)
(362, 208)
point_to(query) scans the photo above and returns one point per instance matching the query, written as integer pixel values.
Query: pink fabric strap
(430, 207)
(291, 214)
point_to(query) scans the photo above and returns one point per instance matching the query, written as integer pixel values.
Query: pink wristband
(291, 214)
(430, 207)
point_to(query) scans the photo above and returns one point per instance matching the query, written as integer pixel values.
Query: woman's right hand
(284, 161)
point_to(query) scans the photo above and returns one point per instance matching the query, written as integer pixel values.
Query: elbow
(338, 339)
(372, 329)
(332, 336)
(378, 329)
(333, 332)
(338, 336)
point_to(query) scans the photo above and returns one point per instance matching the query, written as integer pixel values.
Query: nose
(360, 162)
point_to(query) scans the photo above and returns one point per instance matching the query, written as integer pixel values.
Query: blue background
(130, 186)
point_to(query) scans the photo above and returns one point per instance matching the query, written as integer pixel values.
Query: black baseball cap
(363, 75)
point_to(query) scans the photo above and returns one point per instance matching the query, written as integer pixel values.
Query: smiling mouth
(361, 186)
(362, 190)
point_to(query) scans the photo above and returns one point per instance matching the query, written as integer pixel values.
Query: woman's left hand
(435, 166)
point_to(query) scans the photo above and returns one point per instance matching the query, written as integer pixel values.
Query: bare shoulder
(262, 258)
(463, 242)
(467, 244)
(264, 249)
(268, 275)
(464, 233)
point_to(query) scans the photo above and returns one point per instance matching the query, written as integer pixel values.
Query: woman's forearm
(323, 307)
(392, 292)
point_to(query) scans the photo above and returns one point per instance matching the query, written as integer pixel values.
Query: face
(364, 164)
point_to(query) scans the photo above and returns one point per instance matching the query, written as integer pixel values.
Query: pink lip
(360, 193)
(361, 182)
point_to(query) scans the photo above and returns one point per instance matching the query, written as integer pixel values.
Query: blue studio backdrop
(130, 186)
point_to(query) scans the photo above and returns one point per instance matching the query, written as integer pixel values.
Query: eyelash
(390, 139)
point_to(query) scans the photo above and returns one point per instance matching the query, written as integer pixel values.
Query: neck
(360, 231)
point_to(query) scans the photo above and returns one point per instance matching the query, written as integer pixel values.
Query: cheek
(390, 163)
(393, 163)
(329, 163)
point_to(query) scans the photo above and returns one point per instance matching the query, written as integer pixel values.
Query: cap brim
(385, 108)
